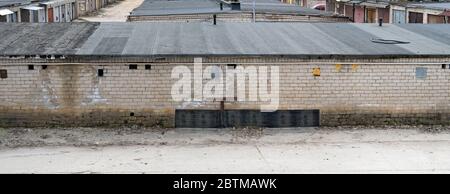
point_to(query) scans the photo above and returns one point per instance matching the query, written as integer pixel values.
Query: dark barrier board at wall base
(246, 118)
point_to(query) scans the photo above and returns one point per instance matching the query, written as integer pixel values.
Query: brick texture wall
(74, 95)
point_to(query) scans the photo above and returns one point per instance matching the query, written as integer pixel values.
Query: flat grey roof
(440, 6)
(8, 3)
(178, 7)
(43, 38)
(238, 39)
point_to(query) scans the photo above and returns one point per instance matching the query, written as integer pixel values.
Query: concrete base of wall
(337, 119)
(166, 118)
(94, 118)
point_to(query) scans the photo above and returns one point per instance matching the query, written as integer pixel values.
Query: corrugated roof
(177, 7)
(204, 39)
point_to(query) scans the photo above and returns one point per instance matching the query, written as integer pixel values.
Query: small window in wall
(44, 66)
(132, 66)
(232, 66)
(148, 67)
(100, 72)
(421, 72)
(444, 66)
(30, 67)
(3, 74)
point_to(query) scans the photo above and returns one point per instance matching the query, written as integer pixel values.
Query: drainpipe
(406, 15)
(364, 14)
(353, 13)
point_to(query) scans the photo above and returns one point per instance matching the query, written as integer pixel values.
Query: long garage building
(113, 74)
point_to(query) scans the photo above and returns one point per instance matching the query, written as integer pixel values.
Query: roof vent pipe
(214, 19)
(221, 6)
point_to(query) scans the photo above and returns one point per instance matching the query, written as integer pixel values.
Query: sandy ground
(299, 150)
(116, 12)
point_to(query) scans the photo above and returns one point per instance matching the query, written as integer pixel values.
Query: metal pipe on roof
(254, 10)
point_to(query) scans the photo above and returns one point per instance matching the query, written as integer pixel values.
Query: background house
(10, 10)
(225, 10)
(48, 10)
(391, 11)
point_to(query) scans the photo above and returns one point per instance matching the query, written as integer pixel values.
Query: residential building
(10, 10)
(433, 13)
(35, 11)
(391, 11)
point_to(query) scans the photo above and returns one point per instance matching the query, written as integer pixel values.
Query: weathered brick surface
(73, 94)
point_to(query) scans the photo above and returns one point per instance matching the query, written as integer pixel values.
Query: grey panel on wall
(246, 118)
(197, 119)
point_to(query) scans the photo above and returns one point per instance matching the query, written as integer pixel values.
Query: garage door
(246, 118)
(398, 17)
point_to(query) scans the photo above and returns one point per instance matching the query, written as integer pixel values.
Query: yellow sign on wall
(316, 71)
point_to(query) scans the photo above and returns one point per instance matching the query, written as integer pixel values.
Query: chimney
(235, 5)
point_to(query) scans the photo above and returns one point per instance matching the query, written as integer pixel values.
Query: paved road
(117, 12)
(310, 151)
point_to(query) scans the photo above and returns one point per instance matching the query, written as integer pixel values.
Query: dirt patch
(127, 136)
(247, 133)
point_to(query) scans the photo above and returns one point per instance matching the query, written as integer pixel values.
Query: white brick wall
(368, 89)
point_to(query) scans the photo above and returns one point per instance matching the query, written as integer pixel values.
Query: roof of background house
(8, 3)
(43, 38)
(177, 7)
(439, 6)
(204, 39)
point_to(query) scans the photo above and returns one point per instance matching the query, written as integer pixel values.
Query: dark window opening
(3, 73)
(30, 67)
(100, 72)
(444, 66)
(132, 66)
(213, 75)
(44, 66)
(233, 66)
(148, 67)
(132, 114)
